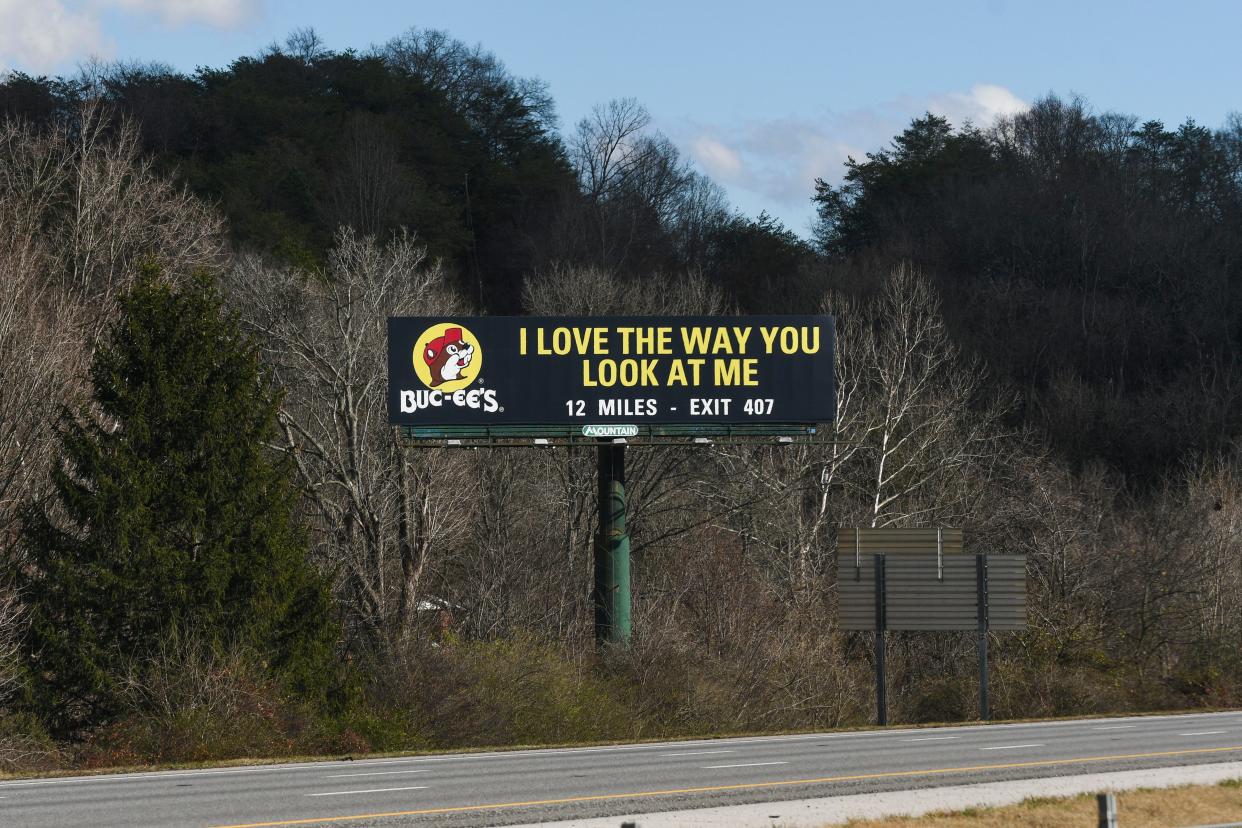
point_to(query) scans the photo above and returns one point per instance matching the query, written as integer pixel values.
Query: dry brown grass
(1187, 806)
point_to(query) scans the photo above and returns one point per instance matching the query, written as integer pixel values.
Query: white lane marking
(330, 764)
(930, 739)
(746, 765)
(698, 752)
(373, 773)
(1115, 727)
(171, 776)
(1203, 733)
(1011, 747)
(371, 790)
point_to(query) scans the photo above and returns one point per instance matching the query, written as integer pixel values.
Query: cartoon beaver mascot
(448, 356)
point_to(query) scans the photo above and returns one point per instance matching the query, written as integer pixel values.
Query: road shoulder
(835, 810)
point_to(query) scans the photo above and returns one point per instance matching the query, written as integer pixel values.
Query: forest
(213, 545)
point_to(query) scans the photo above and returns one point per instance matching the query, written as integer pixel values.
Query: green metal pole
(612, 550)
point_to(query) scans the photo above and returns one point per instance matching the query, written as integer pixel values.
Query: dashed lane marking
(698, 752)
(374, 773)
(372, 790)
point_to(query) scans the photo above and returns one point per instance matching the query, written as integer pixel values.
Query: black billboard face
(579, 371)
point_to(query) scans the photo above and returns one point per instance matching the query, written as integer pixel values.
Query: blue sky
(764, 96)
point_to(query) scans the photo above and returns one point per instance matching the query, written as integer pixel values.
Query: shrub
(517, 691)
(26, 746)
(192, 701)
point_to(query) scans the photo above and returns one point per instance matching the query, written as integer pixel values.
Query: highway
(555, 784)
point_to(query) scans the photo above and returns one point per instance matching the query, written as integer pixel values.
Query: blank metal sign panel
(865, 542)
(925, 595)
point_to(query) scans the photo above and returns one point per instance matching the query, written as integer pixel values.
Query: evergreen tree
(170, 513)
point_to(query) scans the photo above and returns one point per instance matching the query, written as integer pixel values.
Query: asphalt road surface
(623, 780)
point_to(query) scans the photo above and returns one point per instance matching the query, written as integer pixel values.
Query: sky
(763, 96)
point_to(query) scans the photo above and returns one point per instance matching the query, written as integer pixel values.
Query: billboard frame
(521, 436)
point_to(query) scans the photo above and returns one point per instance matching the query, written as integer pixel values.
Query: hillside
(214, 546)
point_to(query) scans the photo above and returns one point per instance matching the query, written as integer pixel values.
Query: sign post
(612, 549)
(981, 611)
(881, 627)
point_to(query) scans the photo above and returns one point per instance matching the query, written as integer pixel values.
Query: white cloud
(774, 159)
(40, 34)
(775, 163)
(223, 14)
(982, 105)
(718, 160)
(43, 35)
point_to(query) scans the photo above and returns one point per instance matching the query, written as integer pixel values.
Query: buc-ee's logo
(448, 359)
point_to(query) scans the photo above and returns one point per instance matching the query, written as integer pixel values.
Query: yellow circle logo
(447, 357)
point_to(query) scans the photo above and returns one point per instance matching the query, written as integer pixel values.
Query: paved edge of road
(835, 810)
(276, 765)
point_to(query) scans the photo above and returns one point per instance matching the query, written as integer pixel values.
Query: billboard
(605, 376)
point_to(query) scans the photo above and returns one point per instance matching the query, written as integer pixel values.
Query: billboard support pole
(612, 549)
(881, 626)
(981, 603)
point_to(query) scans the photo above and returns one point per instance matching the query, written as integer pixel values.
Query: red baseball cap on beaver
(436, 345)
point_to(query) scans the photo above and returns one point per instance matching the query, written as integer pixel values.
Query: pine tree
(170, 513)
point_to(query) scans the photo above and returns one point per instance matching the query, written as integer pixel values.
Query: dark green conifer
(170, 512)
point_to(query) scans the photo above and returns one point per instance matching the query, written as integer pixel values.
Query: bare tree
(910, 421)
(641, 205)
(11, 622)
(379, 510)
(305, 44)
(627, 176)
(925, 416)
(784, 502)
(1214, 503)
(473, 80)
(118, 211)
(40, 354)
(596, 291)
(605, 147)
(368, 184)
(19, 750)
(776, 501)
(80, 208)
